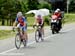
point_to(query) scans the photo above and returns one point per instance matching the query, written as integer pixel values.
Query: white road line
(13, 54)
(5, 52)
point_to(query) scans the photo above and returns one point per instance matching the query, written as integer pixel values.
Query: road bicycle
(19, 38)
(38, 33)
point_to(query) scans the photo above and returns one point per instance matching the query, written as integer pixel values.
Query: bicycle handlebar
(36, 26)
(13, 29)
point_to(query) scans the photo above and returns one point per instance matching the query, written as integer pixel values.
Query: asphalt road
(61, 44)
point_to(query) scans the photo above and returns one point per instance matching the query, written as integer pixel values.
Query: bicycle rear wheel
(17, 41)
(25, 43)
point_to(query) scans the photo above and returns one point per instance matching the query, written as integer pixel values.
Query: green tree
(8, 9)
(72, 6)
(32, 4)
(45, 5)
(2, 10)
(24, 6)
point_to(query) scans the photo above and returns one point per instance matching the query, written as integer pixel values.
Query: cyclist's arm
(35, 22)
(16, 21)
(14, 24)
(42, 20)
(25, 22)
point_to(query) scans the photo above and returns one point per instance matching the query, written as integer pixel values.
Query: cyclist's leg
(60, 23)
(42, 28)
(24, 30)
(26, 36)
(19, 31)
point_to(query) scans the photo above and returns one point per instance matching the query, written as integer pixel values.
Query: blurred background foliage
(9, 8)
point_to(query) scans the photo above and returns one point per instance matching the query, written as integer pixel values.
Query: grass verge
(69, 18)
(4, 34)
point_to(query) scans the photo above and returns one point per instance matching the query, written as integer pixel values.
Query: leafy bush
(45, 5)
(46, 20)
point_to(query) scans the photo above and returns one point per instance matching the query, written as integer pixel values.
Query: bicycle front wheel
(37, 36)
(17, 41)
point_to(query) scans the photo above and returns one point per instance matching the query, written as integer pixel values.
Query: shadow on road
(28, 47)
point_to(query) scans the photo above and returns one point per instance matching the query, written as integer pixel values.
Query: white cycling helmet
(19, 14)
(58, 9)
